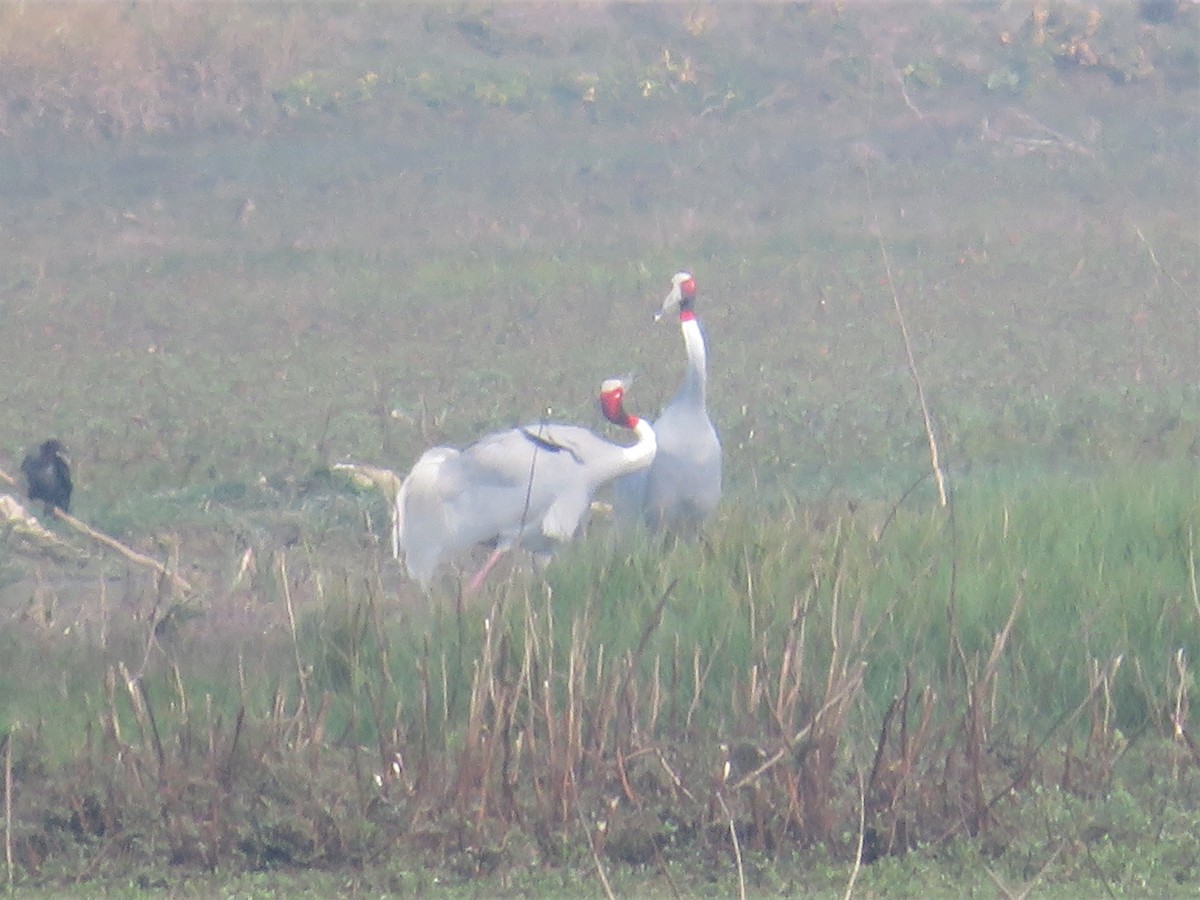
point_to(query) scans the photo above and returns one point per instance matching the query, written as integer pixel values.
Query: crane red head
(681, 297)
(612, 402)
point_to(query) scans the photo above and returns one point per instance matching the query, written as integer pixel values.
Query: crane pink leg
(477, 580)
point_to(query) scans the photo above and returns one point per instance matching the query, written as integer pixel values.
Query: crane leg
(477, 580)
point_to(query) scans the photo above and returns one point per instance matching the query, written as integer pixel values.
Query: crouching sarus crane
(529, 487)
(682, 487)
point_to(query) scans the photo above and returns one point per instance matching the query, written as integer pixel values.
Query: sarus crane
(528, 487)
(681, 488)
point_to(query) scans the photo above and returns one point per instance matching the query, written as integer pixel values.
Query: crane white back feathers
(530, 486)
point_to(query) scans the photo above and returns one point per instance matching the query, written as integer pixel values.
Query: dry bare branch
(128, 552)
(17, 519)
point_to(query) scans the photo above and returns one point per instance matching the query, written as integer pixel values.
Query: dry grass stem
(926, 419)
(587, 833)
(862, 831)
(8, 816)
(1191, 567)
(301, 672)
(737, 846)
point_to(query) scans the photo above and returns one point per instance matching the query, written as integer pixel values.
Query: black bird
(48, 475)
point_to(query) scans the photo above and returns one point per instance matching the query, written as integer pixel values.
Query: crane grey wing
(509, 457)
(528, 487)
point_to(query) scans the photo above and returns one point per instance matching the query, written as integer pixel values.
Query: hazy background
(243, 241)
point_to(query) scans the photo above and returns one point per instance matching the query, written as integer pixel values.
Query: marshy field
(243, 243)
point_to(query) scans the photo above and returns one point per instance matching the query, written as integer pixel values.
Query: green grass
(465, 218)
(695, 638)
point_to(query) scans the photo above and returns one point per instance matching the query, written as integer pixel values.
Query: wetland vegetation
(246, 242)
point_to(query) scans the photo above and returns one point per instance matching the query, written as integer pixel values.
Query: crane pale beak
(670, 304)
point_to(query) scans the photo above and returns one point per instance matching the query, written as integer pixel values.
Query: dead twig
(1023, 892)
(128, 552)
(16, 518)
(737, 847)
(587, 832)
(838, 695)
(1154, 259)
(1050, 140)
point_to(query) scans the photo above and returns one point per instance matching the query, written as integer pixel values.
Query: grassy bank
(774, 682)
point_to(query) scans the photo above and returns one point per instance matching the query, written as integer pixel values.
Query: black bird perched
(48, 475)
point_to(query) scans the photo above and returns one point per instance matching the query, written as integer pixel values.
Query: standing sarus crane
(682, 487)
(529, 487)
